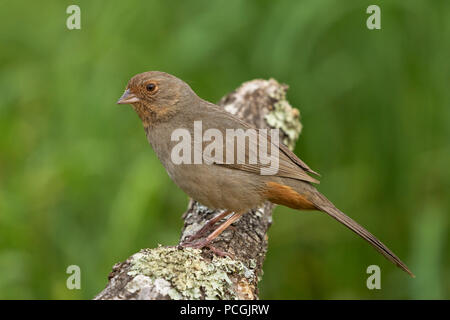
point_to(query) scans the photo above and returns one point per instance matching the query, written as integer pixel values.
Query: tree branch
(175, 273)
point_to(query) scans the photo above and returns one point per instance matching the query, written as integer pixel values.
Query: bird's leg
(205, 242)
(208, 225)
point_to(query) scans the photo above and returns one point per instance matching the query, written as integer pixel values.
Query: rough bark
(176, 273)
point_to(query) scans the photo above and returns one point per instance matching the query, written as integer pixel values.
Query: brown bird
(165, 103)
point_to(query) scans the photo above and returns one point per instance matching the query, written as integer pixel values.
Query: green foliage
(80, 185)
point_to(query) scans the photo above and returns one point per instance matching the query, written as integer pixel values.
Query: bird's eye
(150, 87)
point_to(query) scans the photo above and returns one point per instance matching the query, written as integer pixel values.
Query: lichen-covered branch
(177, 273)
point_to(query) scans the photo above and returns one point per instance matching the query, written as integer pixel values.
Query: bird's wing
(289, 165)
(295, 159)
(286, 167)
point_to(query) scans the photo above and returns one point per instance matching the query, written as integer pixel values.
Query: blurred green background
(80, 185)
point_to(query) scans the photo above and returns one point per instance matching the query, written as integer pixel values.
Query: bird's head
(155, 93)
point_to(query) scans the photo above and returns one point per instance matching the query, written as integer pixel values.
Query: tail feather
(366, 235)
(303, 196)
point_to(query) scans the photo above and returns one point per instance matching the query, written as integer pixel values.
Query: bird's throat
(151, 115)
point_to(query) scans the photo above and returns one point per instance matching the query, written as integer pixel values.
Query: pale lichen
(145, 288)
(139, 282)
(284, 116)
(259, 212)
(191, 276)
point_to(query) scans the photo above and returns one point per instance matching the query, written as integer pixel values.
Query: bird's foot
(203, 230)
(194, 244)
(200, 233)
(204, 243)
(219, 252)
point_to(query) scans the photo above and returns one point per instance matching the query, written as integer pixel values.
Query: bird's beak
(128, 98)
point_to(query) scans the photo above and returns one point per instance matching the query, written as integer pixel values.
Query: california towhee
(165, 103)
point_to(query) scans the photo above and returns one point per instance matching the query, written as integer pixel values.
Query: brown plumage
(165, 103)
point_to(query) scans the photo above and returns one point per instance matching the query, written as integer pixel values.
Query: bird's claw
(204, 243)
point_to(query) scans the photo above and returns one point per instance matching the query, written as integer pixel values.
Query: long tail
(330, 209)
(303, 196)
